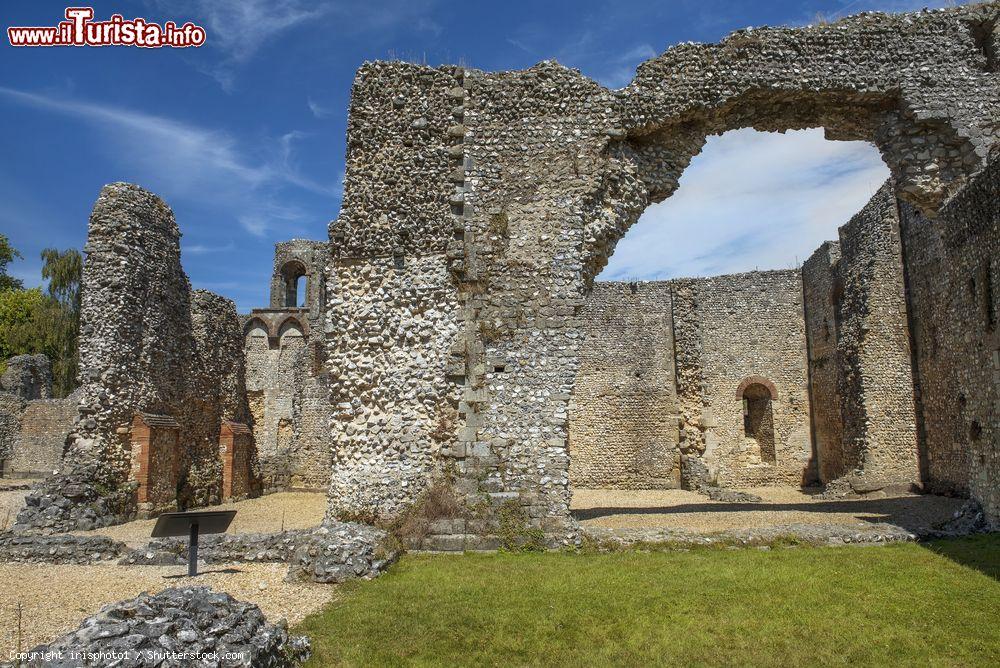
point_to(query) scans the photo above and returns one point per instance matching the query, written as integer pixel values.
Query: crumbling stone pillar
(155, 462)
(235, 445)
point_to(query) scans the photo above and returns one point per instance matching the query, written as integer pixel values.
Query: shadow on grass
(980, 552)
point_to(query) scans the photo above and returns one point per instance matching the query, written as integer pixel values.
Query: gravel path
(11, 501)
(297, 510)
(679, 509)
(55, 599)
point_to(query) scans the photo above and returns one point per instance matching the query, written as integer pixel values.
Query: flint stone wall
(822, 289)
(860, 357)
(953, 281)
(11, 408)
(632, 416)
(44, 427)
(33, 425)
(289, 385)
(519, 184)
(28, 376)
(392, 308)
(624, 415)
(731, 329)
(148, 343)
(63, 549)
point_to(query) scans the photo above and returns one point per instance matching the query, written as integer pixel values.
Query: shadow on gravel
(229, 571)
(899, 511)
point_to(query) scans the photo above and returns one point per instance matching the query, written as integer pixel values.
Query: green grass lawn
(902, 604)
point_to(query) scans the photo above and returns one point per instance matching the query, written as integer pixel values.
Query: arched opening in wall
(291, 334)
(738, 275)
(256, 334)
(758, 420)
(296, 284)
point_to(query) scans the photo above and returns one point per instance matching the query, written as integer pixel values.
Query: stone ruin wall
(952, 275)
(623, 418)
(626, 414)
(44, 426)
(860, 358)
(33, 425)
(270, 369)
(877, 403)
(28, 377)
(822, 296)
(287, 384)
(148, 343)
(392, 308)
(478, 208)
(544, 170)
(745, 326)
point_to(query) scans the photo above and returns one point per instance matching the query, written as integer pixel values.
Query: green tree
(33, 321)
(7, 255)
(61, 319)
(19, 333)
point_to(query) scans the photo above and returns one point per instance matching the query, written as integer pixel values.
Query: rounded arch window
(758, 418)
(295, 277)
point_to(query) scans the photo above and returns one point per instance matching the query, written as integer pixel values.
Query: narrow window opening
(758, 419)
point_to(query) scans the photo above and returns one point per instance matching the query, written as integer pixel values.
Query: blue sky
(244, 137)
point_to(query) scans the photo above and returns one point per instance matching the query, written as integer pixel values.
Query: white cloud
(750, 200)
(621, 69)
(238, 29)
(203, 249)
(428, 26)
(185, 162)
(183, 158)
(317, 109)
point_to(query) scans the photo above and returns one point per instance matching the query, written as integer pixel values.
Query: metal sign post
(190, 525)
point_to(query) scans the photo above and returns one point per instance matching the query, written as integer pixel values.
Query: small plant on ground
(515, 531)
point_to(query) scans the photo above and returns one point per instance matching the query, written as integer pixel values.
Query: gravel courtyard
(54, 598)
(689, 511)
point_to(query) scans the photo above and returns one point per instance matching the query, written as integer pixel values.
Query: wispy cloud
(429, 26)
(202, 249)
(318, 110)
(751, 200)
(621, 68)
(182, 155)
(237, 29)
(186, 162)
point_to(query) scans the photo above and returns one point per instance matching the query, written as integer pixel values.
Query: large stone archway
(479, 207)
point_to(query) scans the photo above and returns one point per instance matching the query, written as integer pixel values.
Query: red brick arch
(757, 380)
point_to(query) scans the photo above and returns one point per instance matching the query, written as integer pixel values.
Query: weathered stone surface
(182, 626)
(860, 359)
(148, 343)
(340, 551)
(74, 499)
(220, 549)
(557, 168)
(952, 269)
(28, 376)
(62, 549)
(816, 534)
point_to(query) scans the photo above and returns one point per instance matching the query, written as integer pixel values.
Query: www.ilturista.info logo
(79, 29)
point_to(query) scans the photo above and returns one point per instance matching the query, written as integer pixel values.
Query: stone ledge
(61, 549)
